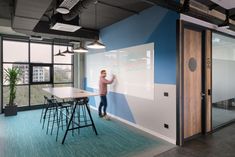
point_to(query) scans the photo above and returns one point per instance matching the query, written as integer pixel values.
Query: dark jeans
(103, 103)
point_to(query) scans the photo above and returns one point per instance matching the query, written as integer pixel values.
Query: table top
(69, 92)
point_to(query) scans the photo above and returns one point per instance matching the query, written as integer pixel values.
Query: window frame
(29, 63)
(51, 76)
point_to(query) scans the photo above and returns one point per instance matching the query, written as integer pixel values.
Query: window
(39, 67)
(41, 73)
(62, 73)
(22, 95)
(40, 53)
(62, 59)
(15, 51)
(37, 94)
(24, 78)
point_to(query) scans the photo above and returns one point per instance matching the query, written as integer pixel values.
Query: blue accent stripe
(155, 24)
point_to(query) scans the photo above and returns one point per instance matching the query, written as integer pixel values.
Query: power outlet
(166, 126)
(166, 94)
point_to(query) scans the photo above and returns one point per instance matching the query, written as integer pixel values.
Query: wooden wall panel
(208, 79)
(192, 82)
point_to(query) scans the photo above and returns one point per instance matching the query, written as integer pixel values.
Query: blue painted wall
(155, 24)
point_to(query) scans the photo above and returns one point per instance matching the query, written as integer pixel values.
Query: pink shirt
(103, 85)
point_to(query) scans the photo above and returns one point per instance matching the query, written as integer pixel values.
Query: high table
(80, 97)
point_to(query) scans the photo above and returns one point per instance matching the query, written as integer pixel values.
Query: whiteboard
(132, 66)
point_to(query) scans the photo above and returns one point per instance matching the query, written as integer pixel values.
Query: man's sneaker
(101, 116)
(106, 117)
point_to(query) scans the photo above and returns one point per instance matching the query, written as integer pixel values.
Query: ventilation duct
(75, 11)
(66, 6)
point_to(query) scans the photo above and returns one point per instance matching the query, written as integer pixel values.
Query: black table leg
(93, 125)
(70, 120)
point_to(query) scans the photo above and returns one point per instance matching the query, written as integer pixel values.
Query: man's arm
(103, 80)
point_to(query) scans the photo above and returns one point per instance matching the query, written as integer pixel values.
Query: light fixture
(59, 54)
(67, 51)
(96, 44)
(80, 49)
(226, 23)
(62, 10)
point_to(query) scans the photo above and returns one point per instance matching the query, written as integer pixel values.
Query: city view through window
(45, 66)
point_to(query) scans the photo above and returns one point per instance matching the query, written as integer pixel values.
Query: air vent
(65, 27)
(57, 23)
(34, 37)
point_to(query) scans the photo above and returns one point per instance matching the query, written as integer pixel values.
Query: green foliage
(12, 76)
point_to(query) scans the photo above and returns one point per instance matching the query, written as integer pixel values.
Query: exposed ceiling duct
(77, 9)
(66, 6)
(27, 20)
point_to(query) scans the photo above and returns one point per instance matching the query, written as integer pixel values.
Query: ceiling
(221, 6)
(33, 17)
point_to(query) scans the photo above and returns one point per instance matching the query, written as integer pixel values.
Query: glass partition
(223, 76)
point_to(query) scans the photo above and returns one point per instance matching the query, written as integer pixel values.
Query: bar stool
(61, 114)
(47, 110)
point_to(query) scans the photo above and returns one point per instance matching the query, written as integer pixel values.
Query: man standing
(103, 92)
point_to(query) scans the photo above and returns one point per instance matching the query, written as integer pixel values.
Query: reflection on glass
(67, 59)
(15, 51)
(41, 74)
(223, 76)
(62, 73)
(24, 68)
(40, 53)
(37, 94)
(22, 96)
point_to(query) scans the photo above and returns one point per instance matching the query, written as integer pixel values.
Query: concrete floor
(218, 144)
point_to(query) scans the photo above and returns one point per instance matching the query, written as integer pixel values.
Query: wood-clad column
(208, 79)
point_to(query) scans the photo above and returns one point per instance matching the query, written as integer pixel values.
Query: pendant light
(96, 44)
(59, 53)
(80, 49)
(67, 51)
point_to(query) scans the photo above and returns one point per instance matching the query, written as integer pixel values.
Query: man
(103, 92)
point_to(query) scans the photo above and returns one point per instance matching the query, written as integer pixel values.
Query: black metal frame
(32, 65)
(27, 40)
(79, 102)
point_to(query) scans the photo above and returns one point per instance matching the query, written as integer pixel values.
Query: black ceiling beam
(169, 4)
(213, 6)
(176, 6)
(85, 33)
(118, 7)
(185, 7)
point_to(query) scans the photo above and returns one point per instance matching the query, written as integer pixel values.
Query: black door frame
(181, 25)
